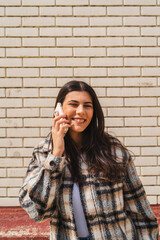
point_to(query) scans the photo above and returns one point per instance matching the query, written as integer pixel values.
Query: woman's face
(78, 107)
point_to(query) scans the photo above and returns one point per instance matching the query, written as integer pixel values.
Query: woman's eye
(73, 104)
(88, 106)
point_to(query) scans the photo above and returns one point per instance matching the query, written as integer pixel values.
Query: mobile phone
(60, 110)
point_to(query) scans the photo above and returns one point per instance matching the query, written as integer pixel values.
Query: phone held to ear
(60, 110)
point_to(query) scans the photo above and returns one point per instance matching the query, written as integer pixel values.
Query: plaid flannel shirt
(113, 211)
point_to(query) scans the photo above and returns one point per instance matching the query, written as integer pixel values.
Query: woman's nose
(80, 109)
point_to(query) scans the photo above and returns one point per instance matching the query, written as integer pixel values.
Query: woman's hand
(60, 123)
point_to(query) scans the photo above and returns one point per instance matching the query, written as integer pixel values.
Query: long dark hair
(103, 153)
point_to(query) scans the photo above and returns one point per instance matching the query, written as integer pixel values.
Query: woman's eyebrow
(78, 102)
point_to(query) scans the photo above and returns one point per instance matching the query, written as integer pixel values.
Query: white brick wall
(112, 45)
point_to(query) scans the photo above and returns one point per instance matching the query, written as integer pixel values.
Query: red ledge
(16, 224)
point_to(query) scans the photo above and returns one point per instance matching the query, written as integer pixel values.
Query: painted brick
(89, 31)
(46, 112)
(122, 92)
(23, 132)
(16, 142)
(13, 192)
(141, 121)
(21, 52)
(6, 82)
(2, 130)
(106, 102)
(2, 173)
(53, 11)
(56, 52)
(22, 72)
(113, 122)
(30, 142)
(140, 101)
(140, 41)
(123, 51)
(2, 150)
(10, 2)
(73, 62)
(150, 91)
(107, 41)
(49, 92)
(45, 131)
(9, 42)
(37, 122)
(150, 31)
(139, 21)
(150, 10)
(151, 111)
(142, 2)
(90, 72)
(62, 81)
(89, 52)
(120, 72)
(106, 62)
(145, 161)
(123, 112)
(151, 151)
(38, 102)
(10, 62)
(150, 131)
(55, 72)
(9, 202)
(20, 32)
(16, 172)
(151, 71)
(22, 11)
(123, 11)
(1, 11)
(39, 82)
(6, 103)
(2, 94)
(105, 2)
(1, 32)
(125, 131)
(150, 51)
(39, 62)
(10, 21)
(2, 72)
(140, 141)
(38, 2)
(123, 31)
(3, 192)
(100, 93)
(71, 2)
(106, 21)
(19, 152)
(140, 81)
(21, 92)
(56, 31)
(41, 42)
(72, 21)
(148, 180)
(106, 82)
(89, 11)
(74, 41)
(38, 21)
(2, 53)
(8, 182)
(140, 61)
(11, 122)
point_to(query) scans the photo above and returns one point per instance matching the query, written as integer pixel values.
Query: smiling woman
(84, 179)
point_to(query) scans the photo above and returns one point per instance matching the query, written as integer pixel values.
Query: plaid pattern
(113, 211)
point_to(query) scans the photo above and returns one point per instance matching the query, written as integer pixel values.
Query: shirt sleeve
(40, 189)
(138, 207)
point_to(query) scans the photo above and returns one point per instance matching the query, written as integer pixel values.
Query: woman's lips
(79, 120)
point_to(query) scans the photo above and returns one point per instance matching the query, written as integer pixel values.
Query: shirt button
(91, 217)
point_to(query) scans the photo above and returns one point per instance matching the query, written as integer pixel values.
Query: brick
(23, 132)
(141, 121)
(140, 141)
(21, 52)
(151, 151)
(150, 31)
(140, 81)
(22, 11)
(56, 52)
(39, 62)
(16, 172)
(30, 142)
(123, 31)
(3, 192)
(150, 10)
(71, 2)
(45, 131)
(120, 72)
(140, 41)
(106, 21)
(46, 112)
(6, 82)
(10, 182)
(38, 21)
(123, 51)
(89, 11)
(22, 72)
(140, 101)
(134, 150)
(56, 72)
(142, 2)
(38, 102)
(150, 131)
(38, 2)
(151, 111)
(11, 122)
(150, 91)
(55, 11)
(72, 21)
(89, 72)
(16, 142)
(2, 173)
(2, 150)
(35, 42)
(74, 41)
(1, 11)
(1, 32)
(10, 42)
(10, 21)
(37, 122)
(151, 71)
(2, 53)
(2, 94)
(105, 2)
(106, 102)
(49, 92)
(72, 62)
(151, 170)
(113, 122)
(2, 130)
(106, 82)
(62, 81)
(39, 82)
(106, 62)
(123, 112)
(89, 31)
(140, 61)
(19, 152)
(8, 202)
(13, 192)
(107, 41)
(124, 92)
(10, 2)
(22, 92)
(139, 21)
(150, 51)
(2, 72)
(123, 11)
(56, 31)
(5, 102)
(125, 131)
(20, 32)
(145, 161)
(10, 62)
(90, 52)
(148, 180)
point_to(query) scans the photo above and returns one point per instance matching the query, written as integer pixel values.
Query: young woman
(84, 179)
